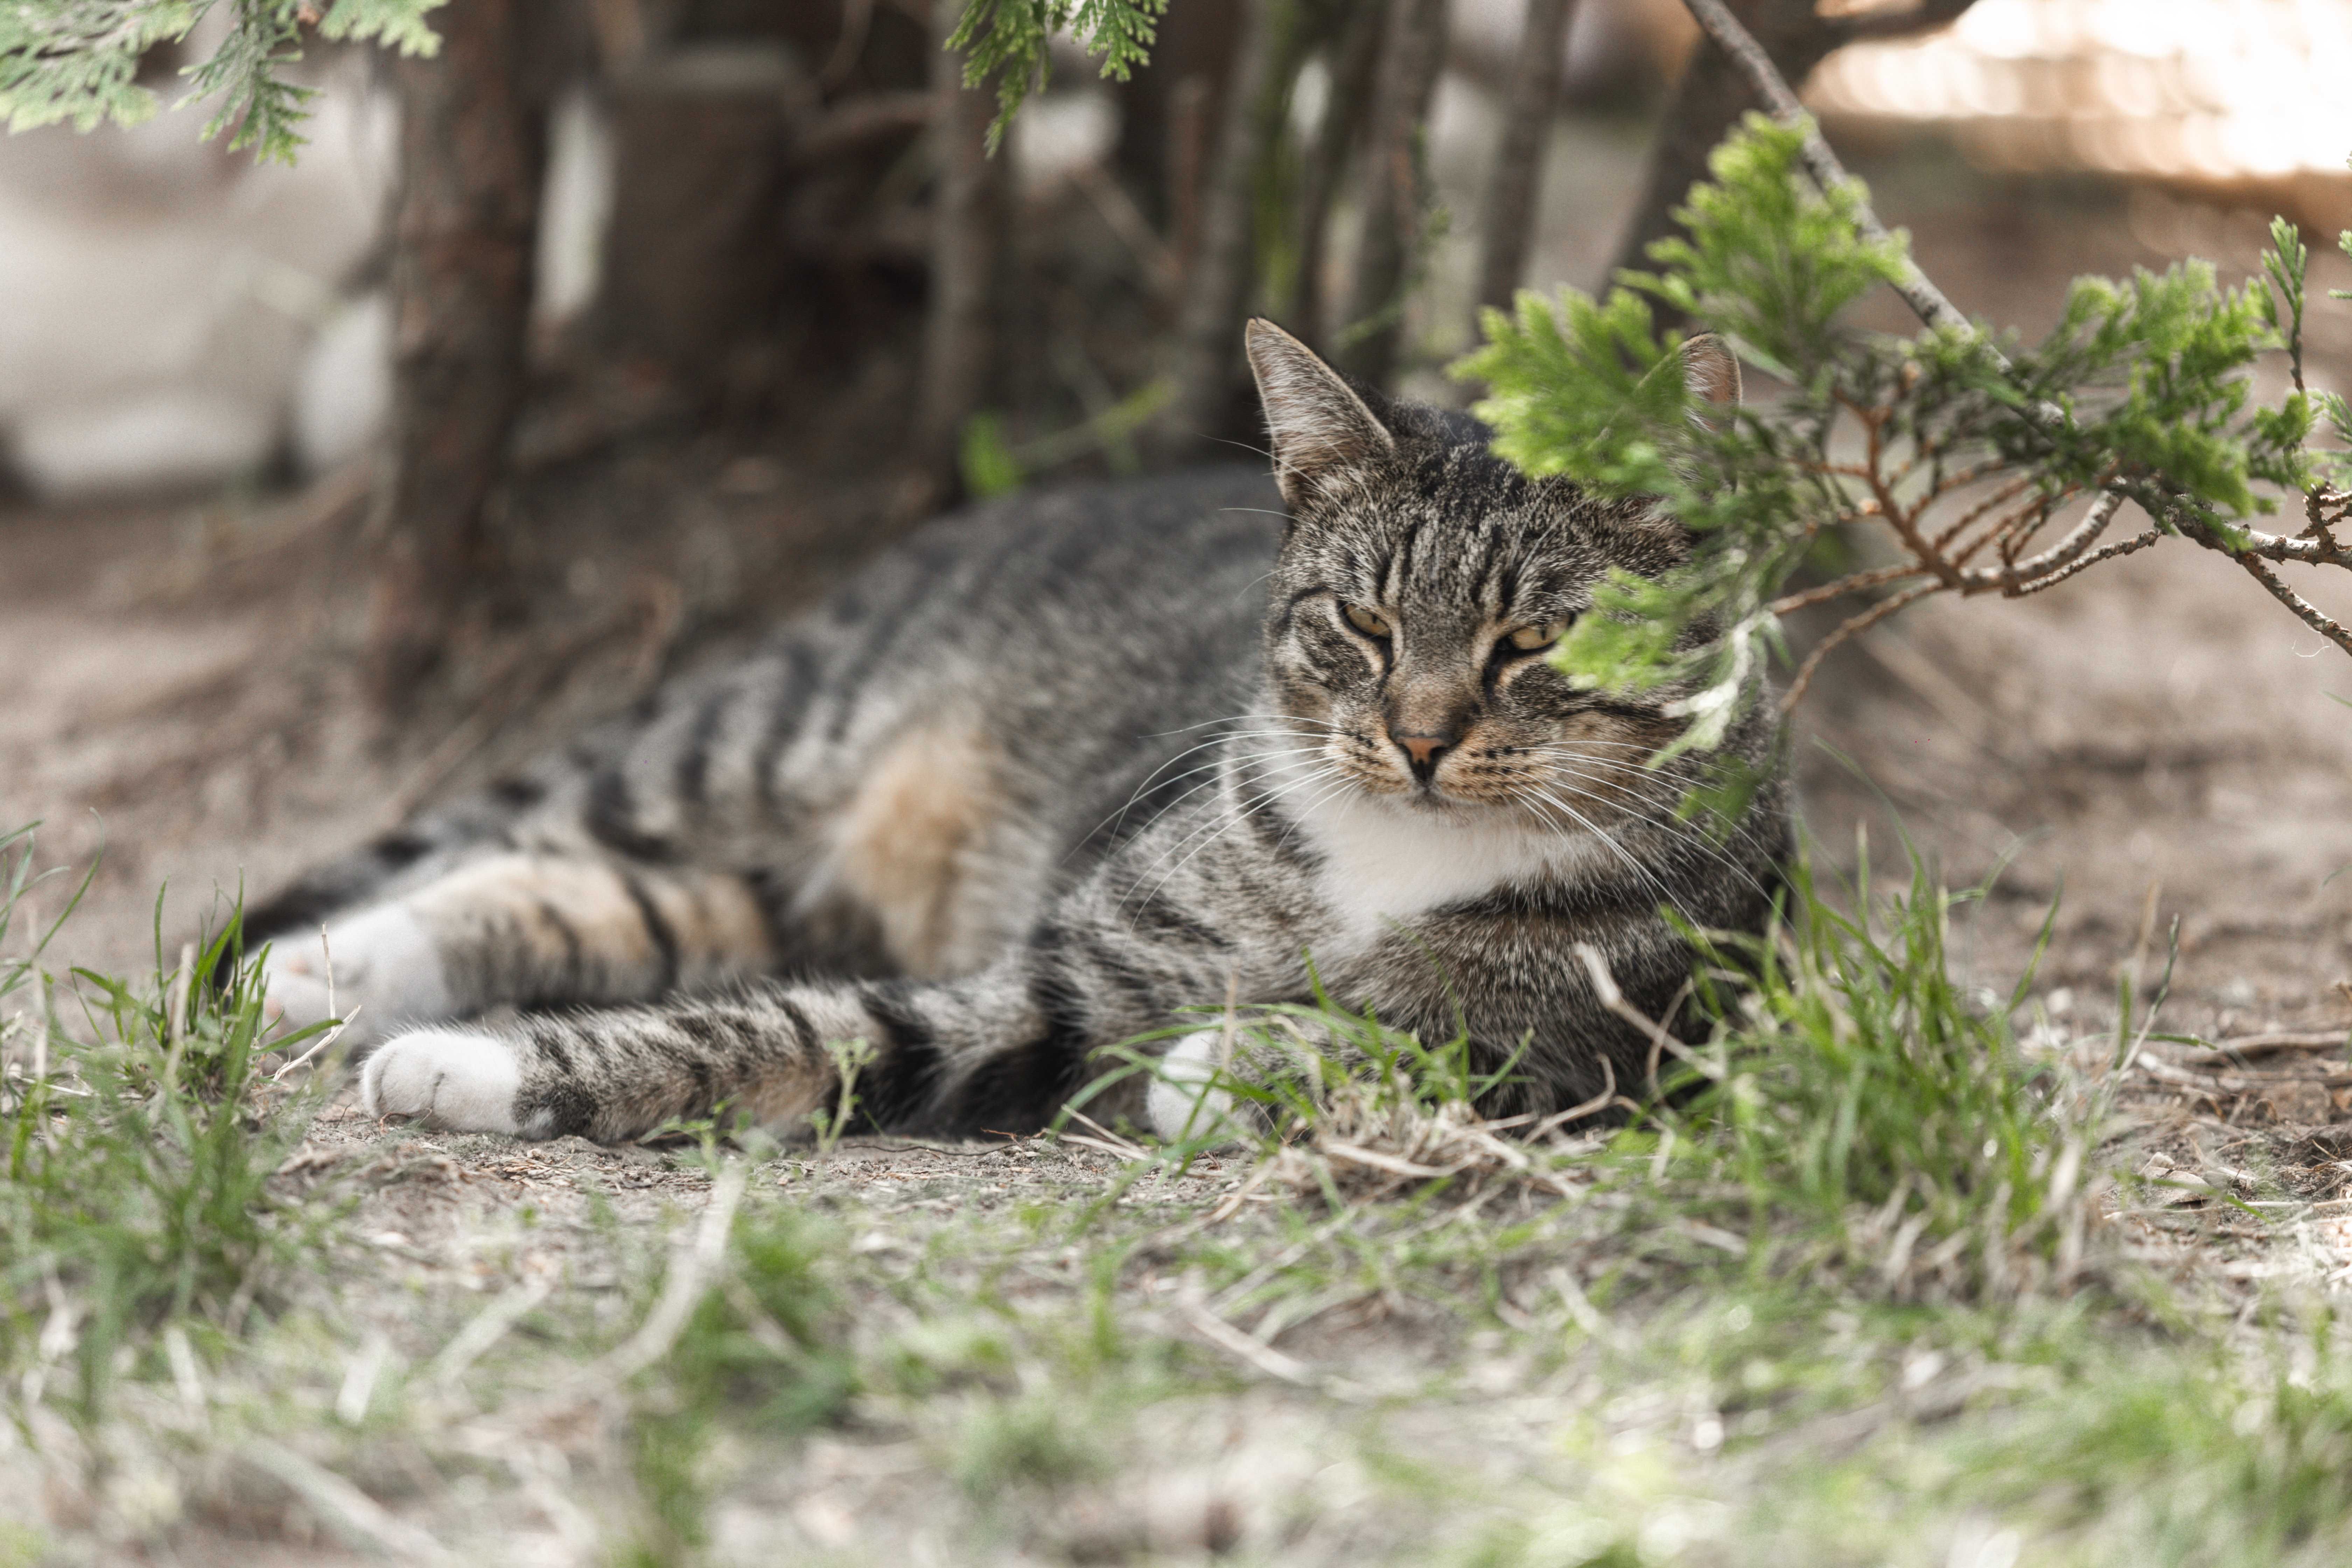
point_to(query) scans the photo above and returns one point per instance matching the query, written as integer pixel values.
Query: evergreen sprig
(1962, 446)
(78, 60)
(1008, 39)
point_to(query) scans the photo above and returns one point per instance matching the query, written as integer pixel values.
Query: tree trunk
(1713, 95)
(1190, 59)
(1354, 64)
(1217, 289)
(968, 222)
(473, 149)
(1395, 195)
(1506, 227)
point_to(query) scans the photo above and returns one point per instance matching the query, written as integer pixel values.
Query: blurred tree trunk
(1713, 95)
(1506, 227)
(1169, 109)
(1217, 288)
(969, 216)
(1395, 198)
(1354, 65)
(473, 151)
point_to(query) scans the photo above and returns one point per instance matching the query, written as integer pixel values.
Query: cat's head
(1420, 584)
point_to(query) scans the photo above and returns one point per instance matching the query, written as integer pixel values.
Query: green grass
(141, 1139)
(762, 1353)
(1847, 1299)
(1857, 1119)
(1859, 1114)
(2232, 1456)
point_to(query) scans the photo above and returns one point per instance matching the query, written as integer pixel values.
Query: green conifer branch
(1007, 39)
(1973, 447)
(78, 61)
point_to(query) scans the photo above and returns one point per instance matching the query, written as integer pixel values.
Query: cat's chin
(1432, 804)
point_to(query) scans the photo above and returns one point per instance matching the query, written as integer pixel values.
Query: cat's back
(1069, 624)
(1114, 568)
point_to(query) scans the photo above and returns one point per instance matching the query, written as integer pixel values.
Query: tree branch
(1929, 303)
(1917, 289)
(1851, 629)
(969, 213)
(1396, 190)
(2082, 536)
(1354, 67)
(2306, 611)
(1715, 91)
(2019, 586)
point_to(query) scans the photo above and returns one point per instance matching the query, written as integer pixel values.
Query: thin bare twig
(348, 1512)
(1604, 987)
(1236, 1344)
(1906, 524)
(1850, 629)
(2138, 542)
(1877, 577)
(2009, 534)
(1999, 497)
(2248, 1047)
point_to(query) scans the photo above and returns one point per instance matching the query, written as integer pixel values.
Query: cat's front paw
(385, 968)
(1189, 1095)
(458, 1077)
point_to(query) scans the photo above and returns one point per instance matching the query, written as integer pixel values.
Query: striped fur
(1047, 776)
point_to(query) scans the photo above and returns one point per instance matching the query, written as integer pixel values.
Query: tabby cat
(1056, 771)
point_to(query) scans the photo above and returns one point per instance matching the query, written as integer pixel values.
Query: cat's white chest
(1383, 865)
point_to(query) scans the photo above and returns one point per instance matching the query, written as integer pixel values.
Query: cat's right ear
(1321, 428)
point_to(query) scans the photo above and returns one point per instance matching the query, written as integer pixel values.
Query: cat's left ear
(1321, 428)
(1712, 374)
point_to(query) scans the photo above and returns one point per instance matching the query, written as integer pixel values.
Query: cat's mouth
(1564, 784)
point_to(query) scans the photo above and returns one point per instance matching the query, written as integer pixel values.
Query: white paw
(385, 969)
(460, 1079)
(1182, 1101)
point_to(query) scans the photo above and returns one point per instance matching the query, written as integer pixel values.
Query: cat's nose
(1423, 750)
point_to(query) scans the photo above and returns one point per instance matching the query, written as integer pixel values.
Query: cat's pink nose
(1423, 749)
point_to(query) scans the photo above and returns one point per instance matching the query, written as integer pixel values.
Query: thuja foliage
(1974, 453)
(1007, 39)
(79, 60)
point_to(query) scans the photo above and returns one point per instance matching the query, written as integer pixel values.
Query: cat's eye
(1526, 639)
(1369, 622)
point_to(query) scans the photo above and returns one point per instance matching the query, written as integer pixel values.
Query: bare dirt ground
(2156, 742)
